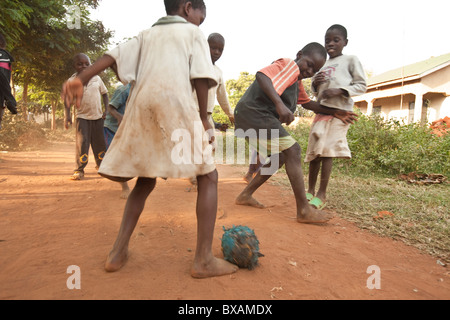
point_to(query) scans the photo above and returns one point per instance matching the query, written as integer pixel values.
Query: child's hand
(333, 92)
(346, 117)
(209, 130)
(319, 79)
(72, 91)
(285, 115)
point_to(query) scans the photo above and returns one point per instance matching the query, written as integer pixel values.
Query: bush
(17, 134)
(220, 117)
(390, 148)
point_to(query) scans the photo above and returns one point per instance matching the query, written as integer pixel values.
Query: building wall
(434, 87)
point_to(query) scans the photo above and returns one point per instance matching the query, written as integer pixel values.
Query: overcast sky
(383, 34)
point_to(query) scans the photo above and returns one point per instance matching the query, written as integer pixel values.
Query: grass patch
(420, 213)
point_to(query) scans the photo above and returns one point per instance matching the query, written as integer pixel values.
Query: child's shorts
(328, 139)
(273, 146)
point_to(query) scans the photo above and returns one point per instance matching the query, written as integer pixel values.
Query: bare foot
(314, 216)
(249, 201)
(213, 268)
(125, 194)
(116, 260)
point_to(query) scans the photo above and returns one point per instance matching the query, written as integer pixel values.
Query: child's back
(168, 56)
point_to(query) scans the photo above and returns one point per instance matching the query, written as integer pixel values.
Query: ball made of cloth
(241, 247)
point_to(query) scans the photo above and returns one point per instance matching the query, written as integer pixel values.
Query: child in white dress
(158, 136)
(340, 78)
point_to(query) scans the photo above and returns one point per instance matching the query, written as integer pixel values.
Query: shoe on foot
(77, 175)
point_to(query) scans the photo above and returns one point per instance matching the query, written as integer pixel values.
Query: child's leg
(305, 212)
(82, 144)
(253, 167)
(314, 168)
(246, 196)
(133, 209)
(327, 165)
(205, 264)
(98, 140)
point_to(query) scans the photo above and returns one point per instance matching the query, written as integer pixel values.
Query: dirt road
(48, 223)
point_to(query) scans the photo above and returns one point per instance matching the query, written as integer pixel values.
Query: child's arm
(105, 103)
(73, 88)
(223, 101)
(285, 115)
(347, 117)
(201, 87)
(113, 111)
(67, 117)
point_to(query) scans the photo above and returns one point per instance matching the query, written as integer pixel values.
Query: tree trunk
(25, 99)
(53, 115)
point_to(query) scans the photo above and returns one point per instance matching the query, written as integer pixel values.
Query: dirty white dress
(161, 134)
(328, 135)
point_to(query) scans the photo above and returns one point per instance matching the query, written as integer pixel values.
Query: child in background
(89, 124)
(268, 103)
(114, 116)
(6, 97)
(165, 63)
(340, 78)
(216, 44)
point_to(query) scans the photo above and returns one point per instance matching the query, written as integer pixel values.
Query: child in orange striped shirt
(267, 104)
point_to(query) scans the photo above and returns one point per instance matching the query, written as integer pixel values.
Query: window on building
(376, 110)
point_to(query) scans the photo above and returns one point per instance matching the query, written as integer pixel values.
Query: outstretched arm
(73, 89)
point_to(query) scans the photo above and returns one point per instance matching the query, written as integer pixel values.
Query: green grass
(420, 213)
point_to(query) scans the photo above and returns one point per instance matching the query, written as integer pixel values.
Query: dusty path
(48, 223)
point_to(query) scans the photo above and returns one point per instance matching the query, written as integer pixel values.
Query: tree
(237, 88)
(47, 43)
(14, 14)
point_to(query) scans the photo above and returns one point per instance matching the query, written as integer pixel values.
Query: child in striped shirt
(270, 102)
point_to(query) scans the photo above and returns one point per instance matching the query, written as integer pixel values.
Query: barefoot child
(164, 64)
(268, 103)
(340, 78)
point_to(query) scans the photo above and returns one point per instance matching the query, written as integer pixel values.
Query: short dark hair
(173, 5)
(314, 47)
(2, 41)
(339, 28)
(216, 37)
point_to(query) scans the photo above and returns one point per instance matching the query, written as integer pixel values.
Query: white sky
(383, 34)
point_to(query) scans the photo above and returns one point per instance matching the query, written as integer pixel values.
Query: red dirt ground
(48, 223)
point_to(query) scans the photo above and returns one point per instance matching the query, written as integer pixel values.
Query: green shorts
(273, 146)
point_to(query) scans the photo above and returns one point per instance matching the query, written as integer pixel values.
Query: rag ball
(240, 246)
